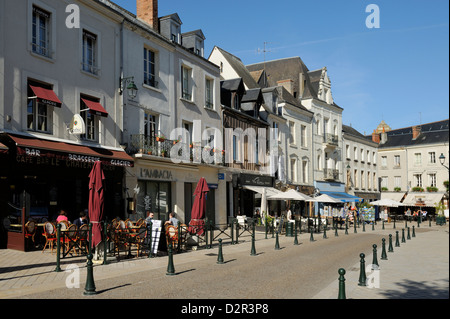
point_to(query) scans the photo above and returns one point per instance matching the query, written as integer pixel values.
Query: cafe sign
(160, 174)
(256, 180)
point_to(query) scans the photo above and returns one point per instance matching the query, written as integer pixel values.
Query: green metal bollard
(237, 232)
(394, 221)
(325, 232)
(232, 231)
(364, 225)
(273, 229)
(170, 266)
(105, 242)
(89, 288)
(413, 232)
(403, 236)
(277, 243)
(373, 225)
(58, 247)
(408, 237)
(390, 249)
(206, 227)
(266, 229)
(375, 259)
(397, 242)
(354, 226)
(429, 221)
(311, 238)
(341, 294)
(220, 256)
(382, 225)
(295, 234)
(346, 227)
(336, 231)
(253, 250)
(383, 250)
(362, 271)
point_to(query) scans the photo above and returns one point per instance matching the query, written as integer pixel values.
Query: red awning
(95, 107)
(46, 96)
(35, 147)
(3, 148)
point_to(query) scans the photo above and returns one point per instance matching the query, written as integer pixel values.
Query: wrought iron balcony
(331, 174)
(330, 139)
(161, 147)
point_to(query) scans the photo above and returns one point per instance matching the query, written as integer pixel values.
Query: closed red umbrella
(96, 201)
(198, 209)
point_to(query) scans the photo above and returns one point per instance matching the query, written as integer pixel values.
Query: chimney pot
(147, 11)
(416, 131)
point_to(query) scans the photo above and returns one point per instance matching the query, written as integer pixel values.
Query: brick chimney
(147, 11)
(416, 131)
(375, 137)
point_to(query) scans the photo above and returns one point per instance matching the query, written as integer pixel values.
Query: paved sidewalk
(418, 268)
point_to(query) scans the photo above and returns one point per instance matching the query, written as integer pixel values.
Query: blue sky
(398, 73)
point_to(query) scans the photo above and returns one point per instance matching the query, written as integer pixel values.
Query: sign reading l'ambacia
(164, 174)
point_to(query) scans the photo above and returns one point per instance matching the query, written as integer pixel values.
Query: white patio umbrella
(289, 195)
(324, 198)
(387, 202)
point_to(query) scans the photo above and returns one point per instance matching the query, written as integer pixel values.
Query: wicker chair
(71, 239)
(30, 231)
(50, 235)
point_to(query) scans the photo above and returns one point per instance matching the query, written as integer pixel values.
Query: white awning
(397, 196)
(422, 199)
(270, 191)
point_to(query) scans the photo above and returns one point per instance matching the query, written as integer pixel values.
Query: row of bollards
(362, 281)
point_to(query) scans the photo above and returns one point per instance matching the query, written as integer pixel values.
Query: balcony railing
(330, 139)
(331, 174)
(141, 144)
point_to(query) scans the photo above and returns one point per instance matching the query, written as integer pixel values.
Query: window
(418, 180)
(368, 156)
(384, 182)
(38, 112)
(40, 41)
(363, 182)
(432, 179)
(432, 157)
(417, 158)
(291, 132)
(186, 87)
(374, 181)
(355, 153)
(319, 162)
(304, 138)
(90, 120)
(293, 169)
(236, 101)
(369, 181)
(305, 171)
(355, 174)
(383, 161)
(374, 156)
(362, 155)
(149, 68)
(235, 149)
(150, 126)
(89, 63)
(347, 151)
(397, 181)
(209, 93)
(396, 160)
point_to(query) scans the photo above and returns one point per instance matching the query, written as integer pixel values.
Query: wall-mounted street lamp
(131, 87)
(442, 160)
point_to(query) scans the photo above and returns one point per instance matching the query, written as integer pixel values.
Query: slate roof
(253, 95)
(287, 97)
(431, 133)
(240, 69)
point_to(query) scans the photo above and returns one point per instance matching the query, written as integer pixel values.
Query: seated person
(62, 216)
(82, 220)
(172, 220)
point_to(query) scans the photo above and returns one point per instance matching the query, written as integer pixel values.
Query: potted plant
(432, 189)
(417, 189)
(397, 189)
(440, 218)
(160, 138)
(384, 189)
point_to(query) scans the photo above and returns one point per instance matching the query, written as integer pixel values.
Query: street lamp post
(442, 160)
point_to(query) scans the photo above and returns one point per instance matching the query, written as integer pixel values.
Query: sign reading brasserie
(43, 157)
